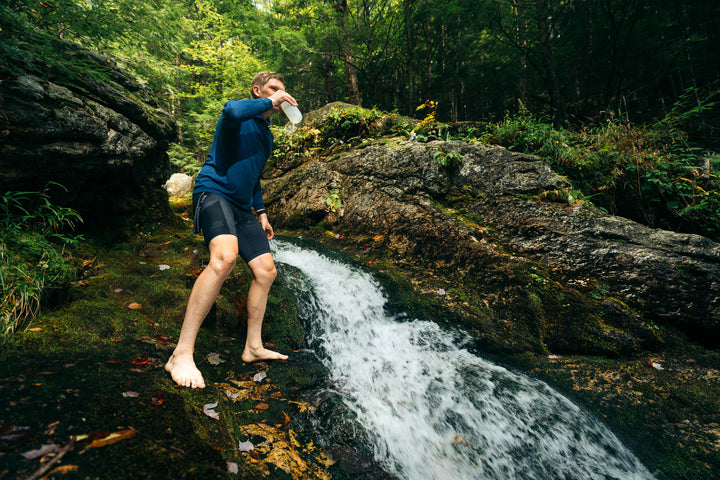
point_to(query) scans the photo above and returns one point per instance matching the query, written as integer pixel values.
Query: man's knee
(222, 262)
(263, 269)
(223, 254)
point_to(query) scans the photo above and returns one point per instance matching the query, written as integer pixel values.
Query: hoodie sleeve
(237, 111)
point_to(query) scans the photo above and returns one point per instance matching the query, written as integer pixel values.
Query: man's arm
(237, 111)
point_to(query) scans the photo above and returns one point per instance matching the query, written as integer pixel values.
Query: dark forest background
(576, 62)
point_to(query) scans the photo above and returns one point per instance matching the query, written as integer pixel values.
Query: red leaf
(158, 399)
(141, 360)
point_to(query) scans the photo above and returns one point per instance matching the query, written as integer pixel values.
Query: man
(226, 190)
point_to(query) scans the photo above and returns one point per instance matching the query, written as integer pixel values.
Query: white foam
(434, 410)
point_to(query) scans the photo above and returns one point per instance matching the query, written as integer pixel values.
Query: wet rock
(538, 272)
(179, 184)
(92, 129)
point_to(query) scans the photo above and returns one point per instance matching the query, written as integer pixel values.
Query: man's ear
(256, 91)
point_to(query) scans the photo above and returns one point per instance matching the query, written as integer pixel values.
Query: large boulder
(76, 119)
(535, 270)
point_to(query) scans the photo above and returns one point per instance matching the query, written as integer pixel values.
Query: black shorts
(215, 215)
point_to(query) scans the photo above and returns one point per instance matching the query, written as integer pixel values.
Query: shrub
(649, 174)
(350, 125)
(34, 266)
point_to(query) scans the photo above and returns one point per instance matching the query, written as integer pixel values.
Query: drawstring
(196, 213)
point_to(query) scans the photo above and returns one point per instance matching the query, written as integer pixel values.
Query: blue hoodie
(239, 151)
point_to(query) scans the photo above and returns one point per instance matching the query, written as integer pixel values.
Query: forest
(627, 87)
(577, 63)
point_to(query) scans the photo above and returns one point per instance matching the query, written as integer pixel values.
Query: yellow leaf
(112, 438)
(62, 470)
(135, 306)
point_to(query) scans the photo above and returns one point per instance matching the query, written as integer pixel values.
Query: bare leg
(181, 365)
(263, 270)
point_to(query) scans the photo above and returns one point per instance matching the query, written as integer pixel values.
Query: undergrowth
(34, 265)
(650, 174)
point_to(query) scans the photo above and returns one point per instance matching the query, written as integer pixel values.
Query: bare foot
(184, 372)
(262, 353)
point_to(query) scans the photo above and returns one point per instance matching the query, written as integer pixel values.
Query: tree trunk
(354, 97)
(544, 13)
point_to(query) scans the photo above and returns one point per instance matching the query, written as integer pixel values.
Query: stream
(430, 407)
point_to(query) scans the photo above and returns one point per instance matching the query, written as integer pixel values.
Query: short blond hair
(263, 78)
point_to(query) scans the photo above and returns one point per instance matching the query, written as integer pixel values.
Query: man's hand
(282, 96)
(266, 226)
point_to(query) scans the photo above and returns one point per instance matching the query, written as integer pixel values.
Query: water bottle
(292, 112)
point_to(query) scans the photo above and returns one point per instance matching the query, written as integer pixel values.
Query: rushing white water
(433, 409)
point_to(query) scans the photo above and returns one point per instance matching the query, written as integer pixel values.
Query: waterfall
(432, 409)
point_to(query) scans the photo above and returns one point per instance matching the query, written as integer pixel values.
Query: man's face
(272, 86)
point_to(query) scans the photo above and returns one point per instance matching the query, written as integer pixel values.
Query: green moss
(75, 365)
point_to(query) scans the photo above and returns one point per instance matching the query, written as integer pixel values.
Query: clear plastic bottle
(293, 113)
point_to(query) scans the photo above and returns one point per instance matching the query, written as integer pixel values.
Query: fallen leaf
(281, 449)
(160, 342)
(276, 395)
(209, 410)
(135, 306)
(112, 438)
(141, 360)
(246, 446)
(34, 329)
(118, 290)
(42, 451)
(259, 377)
(164, 267)
(62, 470)
(554, 357)
(130, 394)
(158, 399)
(271, 345)
(262, 406)
(214, 359)
(287, 420)
(655, 365)
(12, 436)
(232, 468)
(232, 395)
